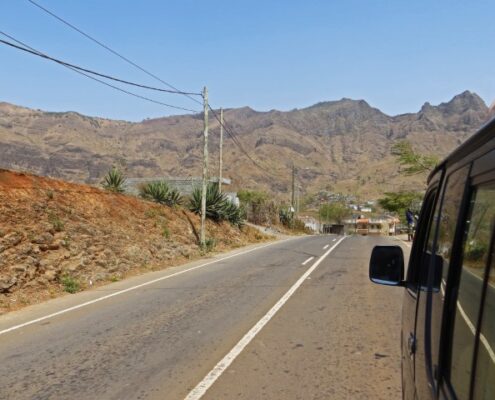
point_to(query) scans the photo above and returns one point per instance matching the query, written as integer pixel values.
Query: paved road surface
(337, 337)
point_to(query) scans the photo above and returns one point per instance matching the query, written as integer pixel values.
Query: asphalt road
(336, 337)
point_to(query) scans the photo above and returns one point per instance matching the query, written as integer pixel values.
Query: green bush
(166, 232)
(160, 192)
(209, 245)
(218, 207)
(70, 284)
(57, 223)
(114, 181)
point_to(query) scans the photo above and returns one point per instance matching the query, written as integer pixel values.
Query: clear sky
(269, 54)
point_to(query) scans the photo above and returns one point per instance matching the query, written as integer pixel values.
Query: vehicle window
(447, 226)
(422, 234)
(476, 250)
(484, 381)
(441, 261)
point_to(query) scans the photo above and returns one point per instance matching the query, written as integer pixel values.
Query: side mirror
(387, 265)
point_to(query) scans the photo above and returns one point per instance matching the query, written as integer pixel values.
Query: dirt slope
(57, 236)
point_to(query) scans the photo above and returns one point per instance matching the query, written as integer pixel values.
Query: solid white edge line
(308, 260)
(223, 364)
(471, 327)
(87, 303)
(326, 246)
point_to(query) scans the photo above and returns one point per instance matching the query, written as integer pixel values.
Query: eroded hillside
(339, 145)
(55, 234)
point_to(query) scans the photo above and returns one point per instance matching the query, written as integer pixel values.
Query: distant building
(385, 225)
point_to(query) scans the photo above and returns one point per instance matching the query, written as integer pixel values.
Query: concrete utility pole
(293, 202)
(205, 166)
(221, 149)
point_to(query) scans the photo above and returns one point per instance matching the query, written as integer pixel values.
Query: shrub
(159, 192)
(166, 232)
(218, 207)
(174, 198)
(114, 181)
(209, 245)
(57, 223)
(70, 284)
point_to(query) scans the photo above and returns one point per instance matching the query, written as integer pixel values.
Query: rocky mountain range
(340, 146)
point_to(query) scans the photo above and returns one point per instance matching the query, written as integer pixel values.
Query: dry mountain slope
(338, 145)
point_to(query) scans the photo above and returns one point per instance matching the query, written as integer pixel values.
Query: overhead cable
(108, 48)
(26, 48)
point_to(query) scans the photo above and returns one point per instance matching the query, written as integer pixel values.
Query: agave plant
(155, 191)
(160, 192)
(218, 207)
(114, 181)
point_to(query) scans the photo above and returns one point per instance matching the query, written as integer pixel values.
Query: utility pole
(205, 166)
(221, 149)
(293, 203)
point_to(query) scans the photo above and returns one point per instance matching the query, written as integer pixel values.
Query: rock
(25, 248)
(45, 239)
(18, 268)
(6, 283)
(50, 275)
(12, 239)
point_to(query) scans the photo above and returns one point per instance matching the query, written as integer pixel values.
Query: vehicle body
(448, 314)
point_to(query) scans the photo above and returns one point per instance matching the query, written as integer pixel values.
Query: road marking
(334, 240)
(66, 310)
(470, 325)
(326, 246)
(307, 261)
(224, 363)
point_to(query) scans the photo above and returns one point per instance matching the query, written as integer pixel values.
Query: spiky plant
(218, 207)
(174, 198)
(155, 191)
(114, 181)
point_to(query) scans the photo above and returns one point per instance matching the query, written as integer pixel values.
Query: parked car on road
(448, 317)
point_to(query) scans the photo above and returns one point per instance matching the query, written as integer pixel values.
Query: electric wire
(33, 51)
(89, 71)
(239, 145)
(106, 47)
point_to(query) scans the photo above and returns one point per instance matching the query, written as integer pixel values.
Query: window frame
(453, 281)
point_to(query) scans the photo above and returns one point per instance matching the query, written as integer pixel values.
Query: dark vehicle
(448, 314)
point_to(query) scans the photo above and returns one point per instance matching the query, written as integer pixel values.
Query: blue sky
(265, 54)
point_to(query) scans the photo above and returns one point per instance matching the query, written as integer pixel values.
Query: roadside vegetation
(160, 193)
(218, 206)
(114, 181)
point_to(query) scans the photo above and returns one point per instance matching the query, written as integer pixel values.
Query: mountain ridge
(339, 145)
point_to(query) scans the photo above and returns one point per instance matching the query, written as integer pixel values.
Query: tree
(413, 162)
(399, 202)
(335, 212)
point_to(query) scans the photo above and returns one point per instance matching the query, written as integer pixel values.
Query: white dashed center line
(307, 261)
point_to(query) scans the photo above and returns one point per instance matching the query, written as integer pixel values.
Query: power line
(89, 71)
(239, 145)
(79, 70)
(111, 50)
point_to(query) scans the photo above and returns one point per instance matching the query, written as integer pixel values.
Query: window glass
(484, 382)
(446, 230)
(423, 233)
(476, 251)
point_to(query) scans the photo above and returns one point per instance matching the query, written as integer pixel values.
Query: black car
(448, 314)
